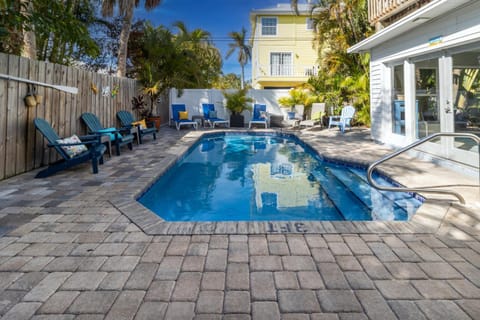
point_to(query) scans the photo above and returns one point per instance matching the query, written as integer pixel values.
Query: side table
(105, 139)
(199, 119)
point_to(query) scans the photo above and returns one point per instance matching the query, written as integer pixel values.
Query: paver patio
(66, 252)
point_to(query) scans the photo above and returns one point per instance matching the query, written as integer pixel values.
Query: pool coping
(427, 219)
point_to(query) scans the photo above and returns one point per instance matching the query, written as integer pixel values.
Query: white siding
(460, 25)
(376, 100)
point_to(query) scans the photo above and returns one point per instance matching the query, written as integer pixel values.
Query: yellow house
(283, 55)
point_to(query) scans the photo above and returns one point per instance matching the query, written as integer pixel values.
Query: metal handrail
(371, 168)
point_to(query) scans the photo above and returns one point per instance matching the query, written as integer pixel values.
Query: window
(269, 26)
(398, 101)
(309, 24)
(281, 64)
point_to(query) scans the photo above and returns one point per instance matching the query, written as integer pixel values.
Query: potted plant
(237, 102)
(152, 90)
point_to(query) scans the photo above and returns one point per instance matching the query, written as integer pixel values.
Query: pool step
(402, 199)
(381, 206)
(346, 202)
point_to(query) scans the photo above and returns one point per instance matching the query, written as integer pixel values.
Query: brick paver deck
(67, 252)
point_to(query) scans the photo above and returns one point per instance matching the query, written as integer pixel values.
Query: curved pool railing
(429, 189)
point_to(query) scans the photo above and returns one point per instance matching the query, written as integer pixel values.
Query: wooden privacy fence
(22, 148)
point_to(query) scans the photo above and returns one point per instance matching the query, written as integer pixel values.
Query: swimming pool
(268, 177)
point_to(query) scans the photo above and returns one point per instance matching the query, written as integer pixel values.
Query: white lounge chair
(316, 115)
(296, 116)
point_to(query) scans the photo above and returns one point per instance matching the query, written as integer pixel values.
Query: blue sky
(219, 17)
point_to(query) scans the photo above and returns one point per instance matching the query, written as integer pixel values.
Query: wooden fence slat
(31, 113)
(40, 113)
(22, 117)
(84, 91)
(3, 112)
(12, 106)
(49, 154)
(72, 82)
(61, 106)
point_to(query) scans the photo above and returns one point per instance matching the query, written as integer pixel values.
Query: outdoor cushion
(317, 115)
(142, 123)
(75, 150)
(110, 132)
(183, 115)
(212, 114)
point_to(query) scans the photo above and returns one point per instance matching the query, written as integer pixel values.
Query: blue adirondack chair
(117, 137)
(126, 120)
(94, 153)
(260, 115)
(344, 120)
(209, 114)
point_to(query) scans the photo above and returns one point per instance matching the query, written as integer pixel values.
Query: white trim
(422, 15)
(463, 37)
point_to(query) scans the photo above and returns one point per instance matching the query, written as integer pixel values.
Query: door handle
(447, 108)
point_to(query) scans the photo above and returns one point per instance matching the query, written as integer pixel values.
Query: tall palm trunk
(123, 41)
(242, 80)
(29, 49)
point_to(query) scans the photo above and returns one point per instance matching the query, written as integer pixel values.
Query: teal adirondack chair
(94, 152)
(126, 120)
(117, 137)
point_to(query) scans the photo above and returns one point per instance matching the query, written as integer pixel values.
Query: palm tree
(197, 36)
(126, 8)
(244, 50)
(29, 49)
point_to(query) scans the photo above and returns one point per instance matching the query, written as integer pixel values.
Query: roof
(430, 11)
(282, 9)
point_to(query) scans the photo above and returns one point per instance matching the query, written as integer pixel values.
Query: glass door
(426, 98)
(465, 88)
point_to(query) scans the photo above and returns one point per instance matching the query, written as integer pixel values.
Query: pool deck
(77, 246)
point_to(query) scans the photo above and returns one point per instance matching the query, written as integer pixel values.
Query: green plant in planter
(237, 101)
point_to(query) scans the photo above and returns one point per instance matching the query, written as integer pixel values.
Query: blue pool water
(253, 177)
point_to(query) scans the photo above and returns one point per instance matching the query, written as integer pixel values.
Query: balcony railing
(380, 11)
(284, 70)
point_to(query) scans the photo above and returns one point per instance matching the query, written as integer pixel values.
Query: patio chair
(180, 117)
(260, 115)
(344, 120)
(118, 137)
(74, 150)
(127, 121)
(316, 116)
(294, 117)
(210, 116)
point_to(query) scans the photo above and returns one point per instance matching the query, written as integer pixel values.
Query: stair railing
(429, 189)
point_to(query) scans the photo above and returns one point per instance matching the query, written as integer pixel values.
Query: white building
(425, 75)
